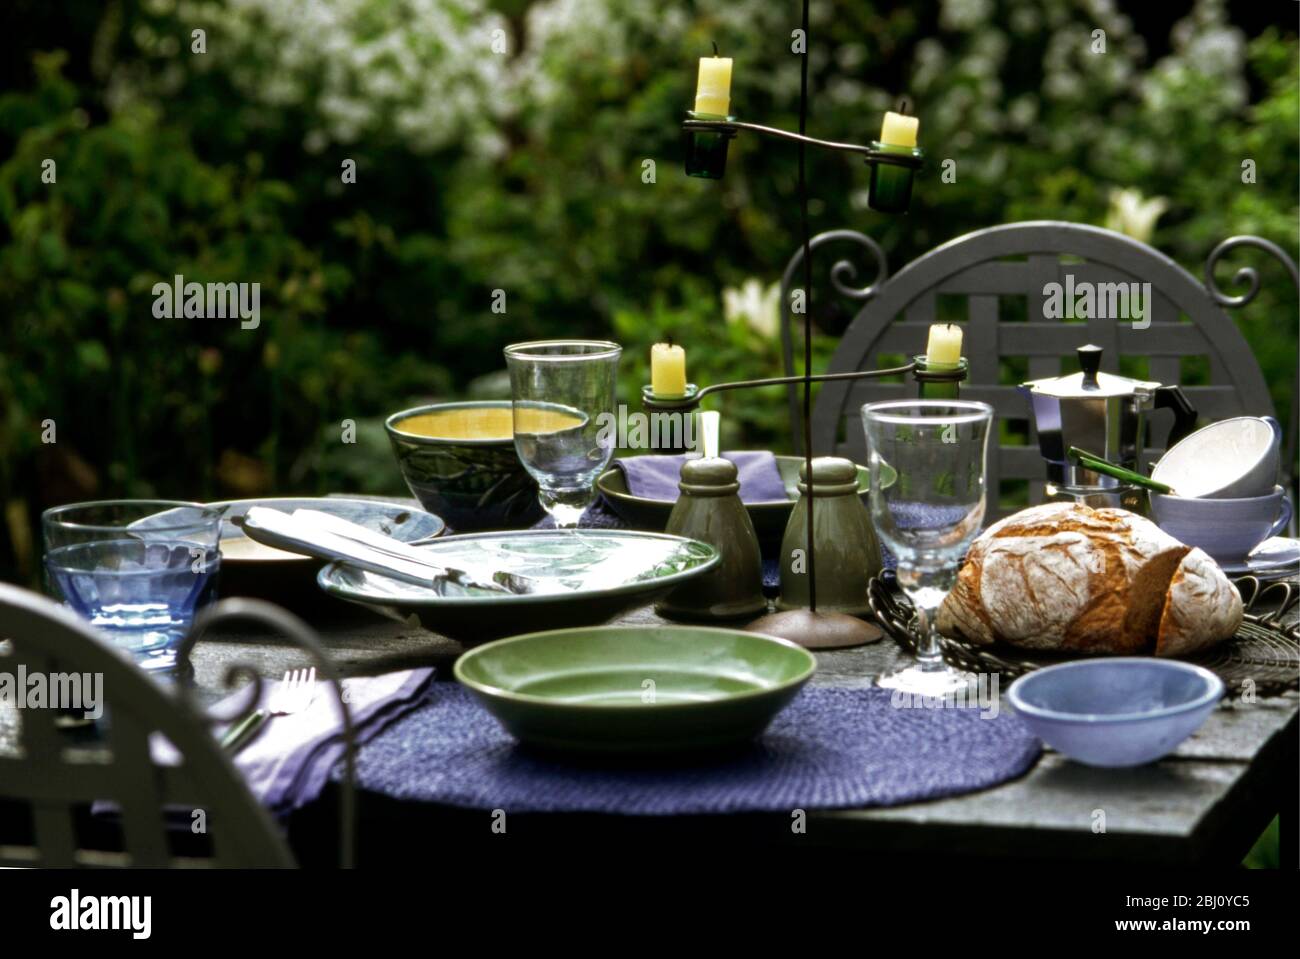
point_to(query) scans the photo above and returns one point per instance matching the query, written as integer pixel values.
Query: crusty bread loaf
(1062, 576)
(1201, 607)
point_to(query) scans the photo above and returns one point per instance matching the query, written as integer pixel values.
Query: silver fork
(291, 695)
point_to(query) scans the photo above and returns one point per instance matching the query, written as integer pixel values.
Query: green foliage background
(522, 171)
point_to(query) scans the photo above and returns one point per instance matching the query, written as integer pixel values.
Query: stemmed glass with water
(929, 514)
(559, 391)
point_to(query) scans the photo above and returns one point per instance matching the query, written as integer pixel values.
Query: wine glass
(929, 514)
(563, 401)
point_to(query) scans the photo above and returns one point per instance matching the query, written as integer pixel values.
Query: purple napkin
(289, 762)
(656, 477)
(287, 765)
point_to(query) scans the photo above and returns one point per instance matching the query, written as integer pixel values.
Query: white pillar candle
(668, 370)
(944, 346)
(899, 130)
(713, 90)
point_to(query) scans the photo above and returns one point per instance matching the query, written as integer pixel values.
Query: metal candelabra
(892, 168)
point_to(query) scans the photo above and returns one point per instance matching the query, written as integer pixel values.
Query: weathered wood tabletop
(1206, 803)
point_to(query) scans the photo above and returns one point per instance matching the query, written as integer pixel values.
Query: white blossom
(1134, 215)
(756, 306)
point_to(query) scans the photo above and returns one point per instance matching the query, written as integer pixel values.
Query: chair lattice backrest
(998, 280)
(51, 778)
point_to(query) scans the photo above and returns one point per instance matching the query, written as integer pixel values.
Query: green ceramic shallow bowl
(636, 689)
(588, 576)
(769, 519)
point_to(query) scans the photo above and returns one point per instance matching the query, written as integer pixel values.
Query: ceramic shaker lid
(829, 470)
(710, 472)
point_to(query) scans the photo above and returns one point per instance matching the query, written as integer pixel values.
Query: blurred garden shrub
(525, 171)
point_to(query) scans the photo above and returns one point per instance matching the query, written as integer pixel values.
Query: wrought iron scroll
(1250, 276)
(1247, 274)
(844, 273)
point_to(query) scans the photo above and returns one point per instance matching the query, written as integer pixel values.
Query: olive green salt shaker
(848, 554)
(709, 509)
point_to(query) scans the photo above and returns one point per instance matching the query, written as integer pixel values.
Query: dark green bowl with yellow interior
(459, 461)
(636, 690)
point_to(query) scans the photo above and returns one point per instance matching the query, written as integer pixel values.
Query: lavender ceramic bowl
(1124, 711)
(1227, 529)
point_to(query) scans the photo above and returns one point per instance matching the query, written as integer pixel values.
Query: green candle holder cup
(680, 433)
(938, 381)
(667, 403)
(706, 150)
(892, 171)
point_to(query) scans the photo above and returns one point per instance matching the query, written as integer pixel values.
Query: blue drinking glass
(136, 570)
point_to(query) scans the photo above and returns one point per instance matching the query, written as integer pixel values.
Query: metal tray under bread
(1263, 656)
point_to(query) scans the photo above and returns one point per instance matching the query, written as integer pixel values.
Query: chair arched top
(46, 636)
(1098, 247)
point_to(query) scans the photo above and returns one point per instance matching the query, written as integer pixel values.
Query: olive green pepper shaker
(848, 554)
(709, 509)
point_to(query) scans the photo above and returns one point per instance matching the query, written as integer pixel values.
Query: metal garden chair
(57, 776)
(995, 279)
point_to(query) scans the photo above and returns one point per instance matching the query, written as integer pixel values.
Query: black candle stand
(892, 169)
(690, 400)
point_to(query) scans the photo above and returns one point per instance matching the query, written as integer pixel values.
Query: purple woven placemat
(830, 749)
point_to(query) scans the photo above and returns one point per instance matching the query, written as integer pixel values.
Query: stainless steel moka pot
(1104, 414)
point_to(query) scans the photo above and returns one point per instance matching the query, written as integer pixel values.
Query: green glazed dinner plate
(636, 689)
(584, 577)
(769, 518)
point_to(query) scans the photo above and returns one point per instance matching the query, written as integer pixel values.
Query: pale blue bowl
(1116, 712)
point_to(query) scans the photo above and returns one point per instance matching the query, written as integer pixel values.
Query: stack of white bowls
(1226, 497)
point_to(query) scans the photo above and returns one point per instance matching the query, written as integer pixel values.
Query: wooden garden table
(1205, 804)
